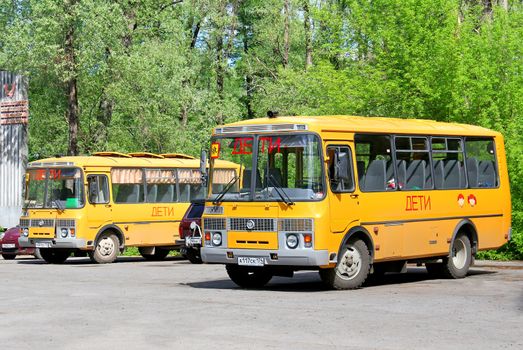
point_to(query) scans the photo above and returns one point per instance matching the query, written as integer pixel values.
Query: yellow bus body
(401, 225)
(140, 224)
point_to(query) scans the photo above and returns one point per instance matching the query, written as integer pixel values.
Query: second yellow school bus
(350, 196)
(103, 203)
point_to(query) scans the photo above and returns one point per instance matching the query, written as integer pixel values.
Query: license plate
(250, 261)
(43, 244)
(193, 241)
(8, 245)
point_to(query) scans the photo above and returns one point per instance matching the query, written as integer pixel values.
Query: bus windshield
(287, 168)
(60, 188)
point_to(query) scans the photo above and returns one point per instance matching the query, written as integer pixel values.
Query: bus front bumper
(276, 257)
(69, 243)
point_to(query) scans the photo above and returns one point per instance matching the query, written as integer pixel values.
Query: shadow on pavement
(310, 281)
(87, 262)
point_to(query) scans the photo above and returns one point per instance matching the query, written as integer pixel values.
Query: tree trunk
(286, 33)
(308, 39)
(248, 79)
(73, 114)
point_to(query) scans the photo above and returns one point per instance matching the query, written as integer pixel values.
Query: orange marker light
(207, 236)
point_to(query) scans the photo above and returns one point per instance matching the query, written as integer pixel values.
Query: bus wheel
(248, 277)
(157, 255)
(55, 256)
(458, 263)
(105, 250)
(352, 269)
(194, 256)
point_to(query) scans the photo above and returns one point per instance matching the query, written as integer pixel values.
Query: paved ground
(134, 304)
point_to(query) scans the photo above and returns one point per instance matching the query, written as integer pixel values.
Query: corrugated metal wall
(13, 146)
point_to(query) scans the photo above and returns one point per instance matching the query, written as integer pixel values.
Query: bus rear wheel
(55, 256)
(157, 254)
(352, 269)
(105, 250)
(248, 277)
(458, 263)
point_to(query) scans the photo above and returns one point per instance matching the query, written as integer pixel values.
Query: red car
(9, 247)
(190, 232)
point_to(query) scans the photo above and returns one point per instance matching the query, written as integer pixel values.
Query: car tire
(159, 254)
(55, 256)
(105, 250)
(352, 268)
(9, 256)
(248, 277)
(193, 255)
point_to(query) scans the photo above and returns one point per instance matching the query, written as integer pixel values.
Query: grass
(133, 251)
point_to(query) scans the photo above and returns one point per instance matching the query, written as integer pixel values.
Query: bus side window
(373, 154)
(127, 184)
(481, 162)
(98, 189)
(448, 163)
(340, 169)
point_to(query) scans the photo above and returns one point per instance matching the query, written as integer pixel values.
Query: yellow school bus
(106, 202)
(350, 196)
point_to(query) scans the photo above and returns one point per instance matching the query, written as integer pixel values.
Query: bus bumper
(69, 243)
(279, 257)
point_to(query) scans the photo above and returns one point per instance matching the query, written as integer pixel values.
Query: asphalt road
(133, 304)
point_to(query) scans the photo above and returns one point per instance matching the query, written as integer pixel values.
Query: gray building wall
(13, 146)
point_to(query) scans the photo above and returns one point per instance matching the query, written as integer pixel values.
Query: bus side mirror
(203, 166)
(341, 166)
(93, 190)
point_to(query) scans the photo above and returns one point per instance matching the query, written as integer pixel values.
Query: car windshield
(287, 168)
(60, 188)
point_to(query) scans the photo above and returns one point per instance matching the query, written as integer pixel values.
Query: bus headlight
(64, 232)
(25, 232)
(217, 238)
(292, 241)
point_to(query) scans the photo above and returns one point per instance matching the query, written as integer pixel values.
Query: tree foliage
(157, 75)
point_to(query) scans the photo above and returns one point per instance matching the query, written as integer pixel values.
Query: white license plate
(8, 245)
(250, 261)
(193, 241)
(43, 244)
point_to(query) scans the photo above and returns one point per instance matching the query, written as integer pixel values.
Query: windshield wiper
(283, 195)
(225, 189)
(58, 205)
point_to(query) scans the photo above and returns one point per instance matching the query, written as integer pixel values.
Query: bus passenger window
(413, 170)
(340, 169)
(448, 163)
(127, 185)
(373, 159)
(481, 162)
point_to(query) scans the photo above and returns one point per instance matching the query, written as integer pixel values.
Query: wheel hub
(106, 246)
(350, 264)
(459, 254)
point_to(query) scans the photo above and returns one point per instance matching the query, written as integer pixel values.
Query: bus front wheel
(352, 269)
(55, 256)
(105, 250)
(245, 277)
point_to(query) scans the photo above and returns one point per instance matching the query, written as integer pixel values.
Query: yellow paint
(252, 240)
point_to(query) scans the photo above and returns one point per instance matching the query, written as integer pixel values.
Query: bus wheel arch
(467, 228)
(361, 233)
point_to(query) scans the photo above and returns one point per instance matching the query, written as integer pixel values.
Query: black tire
(458, 263)
(37, 254)
(248, 277)
(106, 249)
(434, 269)
(9, 256)
(348, 273)
(157, 255)
(193, 255)
(55, 256)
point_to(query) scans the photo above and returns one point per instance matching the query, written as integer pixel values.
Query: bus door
(99, 208)
(343, 198)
